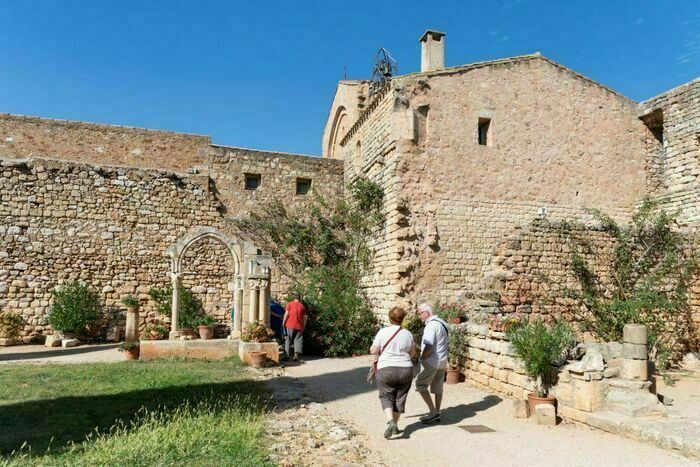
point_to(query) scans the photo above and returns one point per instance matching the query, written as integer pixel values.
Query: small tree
(10, 324)
(76, 306)
(539, 347)
(324, 250)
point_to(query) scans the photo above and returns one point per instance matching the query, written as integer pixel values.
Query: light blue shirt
(435, 334)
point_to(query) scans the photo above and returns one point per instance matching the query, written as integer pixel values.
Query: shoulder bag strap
(390, 339)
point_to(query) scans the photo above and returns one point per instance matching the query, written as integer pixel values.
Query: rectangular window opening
(484, 132)
(303, 186)
(252, 181)
(654, 121)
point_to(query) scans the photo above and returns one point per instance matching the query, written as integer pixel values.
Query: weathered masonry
(474, 161)
(109, 205)
(472, 157)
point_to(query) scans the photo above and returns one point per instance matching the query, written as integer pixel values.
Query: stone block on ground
(6, 341)
(521, 409)
(634, 403)
(546, 414)
(634, 334)
(52, 341)
(67, 343)
(589, 395)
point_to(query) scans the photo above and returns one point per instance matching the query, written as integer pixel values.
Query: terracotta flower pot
(206, 332)
(534, 401)
(258, 359)
(132, 354)
(453, 377)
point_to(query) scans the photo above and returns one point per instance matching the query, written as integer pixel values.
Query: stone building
(472, 156)
(469, 157)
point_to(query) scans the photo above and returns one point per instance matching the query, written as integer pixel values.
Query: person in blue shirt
(276, 315)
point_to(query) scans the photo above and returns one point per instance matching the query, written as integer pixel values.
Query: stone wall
(278, 173)
(676, 114)
(108, 227)
(112, 145)
(559, 142)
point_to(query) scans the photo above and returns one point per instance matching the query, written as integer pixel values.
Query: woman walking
(395, 347)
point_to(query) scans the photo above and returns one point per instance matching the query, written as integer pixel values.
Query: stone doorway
(249, 273)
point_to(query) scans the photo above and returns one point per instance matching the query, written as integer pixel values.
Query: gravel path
(39, 354)
(340, 385)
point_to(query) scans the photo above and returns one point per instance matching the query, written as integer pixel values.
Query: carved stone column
(132, 324)
(264, 305)
(237, 325)
(253, 301)
(175, 282)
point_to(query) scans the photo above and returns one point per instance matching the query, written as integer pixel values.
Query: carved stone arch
(341, 121)
(177, 251)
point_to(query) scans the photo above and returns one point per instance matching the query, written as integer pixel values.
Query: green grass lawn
(131, 413)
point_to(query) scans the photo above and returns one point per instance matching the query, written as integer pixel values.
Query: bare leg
(438, 401)
(396, 416)
(429, 401)
(389, 413)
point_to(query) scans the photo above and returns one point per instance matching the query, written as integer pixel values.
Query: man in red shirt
(294, 321)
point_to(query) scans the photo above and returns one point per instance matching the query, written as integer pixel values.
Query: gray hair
(425, 307)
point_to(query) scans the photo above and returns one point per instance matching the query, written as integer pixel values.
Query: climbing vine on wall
(650, 268)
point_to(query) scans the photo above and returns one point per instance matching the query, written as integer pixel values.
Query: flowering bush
(450, 311)
(257, 331)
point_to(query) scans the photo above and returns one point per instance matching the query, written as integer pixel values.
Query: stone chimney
(432, 51)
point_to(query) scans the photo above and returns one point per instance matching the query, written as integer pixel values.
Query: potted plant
(131, 349)
(257, 331)
(191, 307)
(205, 325)
(10, 324)
(539, 346)
(456, 353)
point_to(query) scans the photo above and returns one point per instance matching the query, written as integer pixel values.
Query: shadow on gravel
(454, 415)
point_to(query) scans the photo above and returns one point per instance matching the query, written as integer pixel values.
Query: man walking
(294, 321)
(433, 359)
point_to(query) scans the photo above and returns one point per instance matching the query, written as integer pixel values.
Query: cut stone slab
(521, 409)
(634, 404)
(6, 341)
(634, 334)
(213, 349)
(546, 414)
(67, 343)
(634, 351)
(634, 369)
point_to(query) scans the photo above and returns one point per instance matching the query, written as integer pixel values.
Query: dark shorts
(393, 383)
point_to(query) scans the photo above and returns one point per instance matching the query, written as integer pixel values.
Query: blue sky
(262, 74)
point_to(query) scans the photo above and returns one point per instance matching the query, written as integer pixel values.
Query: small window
(484, 131)
(303, 186)
(252, 181)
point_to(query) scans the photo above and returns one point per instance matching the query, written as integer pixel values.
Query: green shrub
(130, 302)
(76, 306)
(457, 346)
(10, 324)
(191, 307)
(341, 324)
(256, 331)
(206, 320)
(539, 346)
